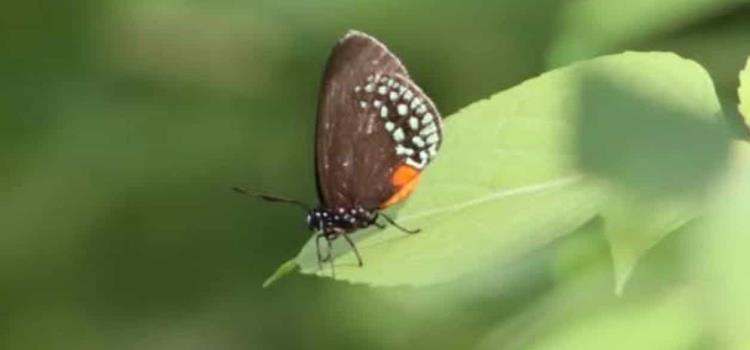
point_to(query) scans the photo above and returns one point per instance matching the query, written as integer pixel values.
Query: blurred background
(123, 125)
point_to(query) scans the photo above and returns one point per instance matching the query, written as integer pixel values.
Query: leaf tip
(283, 270)
(622, 276)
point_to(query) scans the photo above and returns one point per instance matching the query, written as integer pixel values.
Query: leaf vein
(498, 195)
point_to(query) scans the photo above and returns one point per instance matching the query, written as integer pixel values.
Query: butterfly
(376, 133)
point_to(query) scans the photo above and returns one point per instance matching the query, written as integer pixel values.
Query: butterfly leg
(354, 248)
(317, 245)
(392, 222)
(330, 256)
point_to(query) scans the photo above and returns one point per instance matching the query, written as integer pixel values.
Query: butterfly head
(315, 220)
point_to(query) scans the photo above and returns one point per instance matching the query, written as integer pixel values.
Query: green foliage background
(123, 124)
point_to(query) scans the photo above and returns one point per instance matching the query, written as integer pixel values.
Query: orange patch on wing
(405, 179)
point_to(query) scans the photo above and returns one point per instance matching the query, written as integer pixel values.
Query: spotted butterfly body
(376, 132)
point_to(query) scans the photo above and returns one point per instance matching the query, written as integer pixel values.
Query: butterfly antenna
(272, 198)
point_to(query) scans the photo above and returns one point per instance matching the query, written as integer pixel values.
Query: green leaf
(744, 93)
(719, 256)
(579, 312)
(656, 129)
(655, 134)
(592, 27)
(505, 184)
(283, 270)
(508, 179)
(635, 225)
(664, 323)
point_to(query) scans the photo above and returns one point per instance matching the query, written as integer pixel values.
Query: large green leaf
(719, 256)
(580, 312)
(507, 181)
(658, 139)
(664, 323)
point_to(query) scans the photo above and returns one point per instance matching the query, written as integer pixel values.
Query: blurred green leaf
(580, 311)
(654, 128)
(592, 27)
(719, 257)
(665, 323)
(744, 93)
(507, 181)
(653, 131)
(635, 225)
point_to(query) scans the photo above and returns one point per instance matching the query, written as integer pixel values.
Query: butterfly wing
(376, 129)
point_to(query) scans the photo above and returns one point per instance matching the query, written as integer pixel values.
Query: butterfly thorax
(335, 221)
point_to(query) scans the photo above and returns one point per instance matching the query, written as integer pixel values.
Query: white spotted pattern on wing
(401, 150)
(402, 109)
(408, 117)
(413, 123)
(408, 95)
(398, 135)
(417, 141)
(416, 102)
(393, 96)
(433, 139)
(432, 150)
(429, 129)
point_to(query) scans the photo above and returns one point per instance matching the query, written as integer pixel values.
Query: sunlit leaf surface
(508, 180)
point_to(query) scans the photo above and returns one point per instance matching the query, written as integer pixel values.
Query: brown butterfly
(376, 132)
